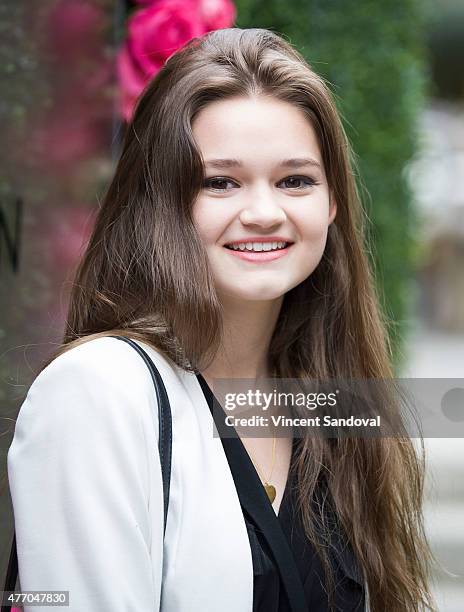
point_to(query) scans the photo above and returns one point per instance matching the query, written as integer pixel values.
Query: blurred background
(70, 72)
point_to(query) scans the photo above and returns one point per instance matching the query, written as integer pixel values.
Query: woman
(229, 245)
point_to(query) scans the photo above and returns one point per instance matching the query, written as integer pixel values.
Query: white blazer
(86, 487)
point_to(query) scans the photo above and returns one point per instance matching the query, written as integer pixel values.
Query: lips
(257, 247)
(259, 256)
(259, 243)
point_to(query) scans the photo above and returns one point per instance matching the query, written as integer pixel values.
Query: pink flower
(132, 81)
(217, 14)
(158, 31)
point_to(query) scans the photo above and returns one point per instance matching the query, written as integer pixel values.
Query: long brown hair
(145, 274)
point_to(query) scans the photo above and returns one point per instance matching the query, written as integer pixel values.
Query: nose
(262, 209)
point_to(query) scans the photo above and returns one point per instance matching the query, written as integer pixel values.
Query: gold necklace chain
(269, 488)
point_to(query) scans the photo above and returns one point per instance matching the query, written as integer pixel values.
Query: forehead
(254, 128)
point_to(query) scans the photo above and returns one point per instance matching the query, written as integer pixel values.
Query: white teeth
(258, 246)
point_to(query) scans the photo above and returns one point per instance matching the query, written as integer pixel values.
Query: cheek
(313, 222)
(210, 220)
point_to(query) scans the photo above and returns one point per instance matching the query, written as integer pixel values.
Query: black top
(288, 575)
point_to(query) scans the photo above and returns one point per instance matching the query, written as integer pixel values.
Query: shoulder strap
(165, 422)
(11, 573)
(165, 451)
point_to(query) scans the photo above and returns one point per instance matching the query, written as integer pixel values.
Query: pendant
(271, 491)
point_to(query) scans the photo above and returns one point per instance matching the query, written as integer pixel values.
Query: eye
(295, 182)
(217, 183)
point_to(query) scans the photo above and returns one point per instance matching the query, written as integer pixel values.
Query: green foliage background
(372, 54)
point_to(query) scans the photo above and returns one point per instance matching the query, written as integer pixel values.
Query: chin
(254, 293)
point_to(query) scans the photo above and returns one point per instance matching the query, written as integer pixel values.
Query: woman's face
(264, 208)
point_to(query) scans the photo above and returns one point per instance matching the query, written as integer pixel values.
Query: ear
(332, 209)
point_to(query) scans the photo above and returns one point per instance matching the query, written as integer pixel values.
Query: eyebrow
(295, 162)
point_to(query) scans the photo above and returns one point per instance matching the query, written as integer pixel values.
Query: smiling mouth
(259, 252)
(258, 247)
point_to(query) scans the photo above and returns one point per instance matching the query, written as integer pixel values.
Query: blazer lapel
(253, 498)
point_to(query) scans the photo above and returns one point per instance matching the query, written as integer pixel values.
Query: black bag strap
(11, 572)
(165, 422)
(165, 452)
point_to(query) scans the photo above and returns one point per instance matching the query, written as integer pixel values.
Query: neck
(247, 332)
